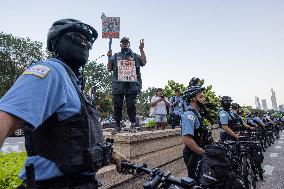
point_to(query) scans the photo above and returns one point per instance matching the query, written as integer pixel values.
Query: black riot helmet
(235, 106)
(226, 102)
(191, 92)
(69, 25)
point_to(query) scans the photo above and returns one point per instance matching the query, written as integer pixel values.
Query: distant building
(257, 103)
(264, 104)
(273, 100)
(281, 108)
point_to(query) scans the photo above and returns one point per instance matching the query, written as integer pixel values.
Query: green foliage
(98, 82)
(211, 114)
(10, 166)
(151, 123)
(15, 55)
(143, 101)
(169, 90)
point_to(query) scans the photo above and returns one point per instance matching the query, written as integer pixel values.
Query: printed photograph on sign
(126, 71)
(111, 27)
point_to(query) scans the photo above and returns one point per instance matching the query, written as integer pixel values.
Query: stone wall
(162, 148)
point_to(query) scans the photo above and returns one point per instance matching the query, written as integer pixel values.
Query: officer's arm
(189, 141)
(227, 129)
(247, 126)
(8, 123)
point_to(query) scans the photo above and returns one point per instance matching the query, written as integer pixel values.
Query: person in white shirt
(160, 102)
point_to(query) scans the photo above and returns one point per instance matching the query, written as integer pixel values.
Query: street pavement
(13, 144)
(273, 165)
(273, 161)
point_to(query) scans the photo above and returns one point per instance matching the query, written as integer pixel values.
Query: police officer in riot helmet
(227, 121)
(64, 140)
(237, 114)
(193, 130)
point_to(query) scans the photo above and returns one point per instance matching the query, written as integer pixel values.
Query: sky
(235, 45)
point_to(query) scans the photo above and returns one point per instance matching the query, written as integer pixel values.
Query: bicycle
(158, 179)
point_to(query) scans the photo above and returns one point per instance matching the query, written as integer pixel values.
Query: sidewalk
(273, 165)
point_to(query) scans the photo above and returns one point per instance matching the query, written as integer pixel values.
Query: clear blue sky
(235, 45)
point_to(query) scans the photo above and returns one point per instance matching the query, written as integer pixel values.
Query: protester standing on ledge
(126, 80)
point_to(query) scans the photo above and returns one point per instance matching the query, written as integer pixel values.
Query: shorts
(160, 118)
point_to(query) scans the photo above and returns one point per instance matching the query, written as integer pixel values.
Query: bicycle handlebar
(158, 176)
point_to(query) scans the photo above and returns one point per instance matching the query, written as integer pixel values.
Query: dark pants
(130, 105)
(191, 161)
(175, 120)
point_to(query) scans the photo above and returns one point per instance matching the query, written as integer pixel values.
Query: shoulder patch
(37, 70)
(191, 117)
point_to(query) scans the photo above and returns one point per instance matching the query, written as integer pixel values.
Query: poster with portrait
(110, 27)
(126, 71)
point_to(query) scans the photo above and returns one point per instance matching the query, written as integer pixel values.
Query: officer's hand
(141, 46)
(116, 159)
(109, 53)
(238, 136)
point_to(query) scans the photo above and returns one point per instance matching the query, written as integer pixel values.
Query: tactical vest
(201, 134)
(75, 144)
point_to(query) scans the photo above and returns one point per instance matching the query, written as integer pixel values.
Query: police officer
(64, 141)
(126, 85)
(177, 108)
(249, 120)
(235, 113)
(257, 120)
(193, 130)
(227, 121)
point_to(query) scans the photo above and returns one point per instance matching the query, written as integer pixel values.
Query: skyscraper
(257, 103)
(273, 100)
(264, 104)
(281, 108)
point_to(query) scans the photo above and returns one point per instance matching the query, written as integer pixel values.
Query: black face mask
(226, 105)
(72, 53)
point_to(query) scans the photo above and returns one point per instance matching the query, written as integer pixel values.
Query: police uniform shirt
(43, 89)
(177, 105)
(189, 122)
(224, 118)
(250, 122)
(257, 120)
(126, 87)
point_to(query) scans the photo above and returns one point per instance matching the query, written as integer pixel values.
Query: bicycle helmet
(69, 25)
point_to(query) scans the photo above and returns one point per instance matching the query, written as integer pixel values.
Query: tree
(169, 90)
(143, 101)
(98, 82)
(211, 112)
(15, 55)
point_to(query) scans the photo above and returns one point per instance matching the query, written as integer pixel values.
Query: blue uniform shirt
(224, 117)
(177, 105)
(250, 122)
(257, 120)
(189, 122)
(34, 99)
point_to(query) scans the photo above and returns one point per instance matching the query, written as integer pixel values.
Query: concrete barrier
(162, 148)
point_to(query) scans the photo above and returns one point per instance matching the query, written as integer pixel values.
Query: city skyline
(235, 46)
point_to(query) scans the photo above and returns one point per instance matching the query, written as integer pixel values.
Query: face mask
(226, 105)
(201, 105)
(72, 53)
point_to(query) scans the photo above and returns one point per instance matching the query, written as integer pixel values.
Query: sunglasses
(78, 39)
